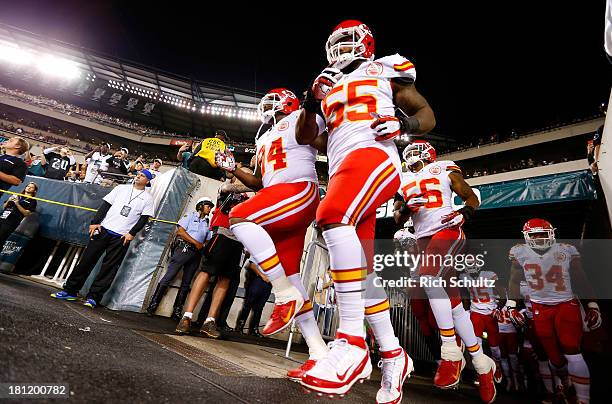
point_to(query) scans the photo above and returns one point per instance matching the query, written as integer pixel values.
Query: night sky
(482, 68)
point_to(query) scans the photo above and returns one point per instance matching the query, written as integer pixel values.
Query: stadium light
(58, 67)
(15, 55)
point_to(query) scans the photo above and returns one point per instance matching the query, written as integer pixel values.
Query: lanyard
(131, 199)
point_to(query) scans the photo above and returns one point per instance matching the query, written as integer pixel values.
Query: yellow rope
(74, 206)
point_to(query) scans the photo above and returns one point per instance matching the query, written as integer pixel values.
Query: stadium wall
(605, 161)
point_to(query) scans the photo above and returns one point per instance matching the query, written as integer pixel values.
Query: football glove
(386, 127)
(453, 219)
(324, 82)
(515, 316)
(225, 161)
(413, 204)
(593, 316)
(497, 315)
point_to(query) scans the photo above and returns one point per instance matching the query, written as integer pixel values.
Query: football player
(552, 271)
(426, 197)
(509, 344)
(272, 225)
(365, 103)
(483, 310)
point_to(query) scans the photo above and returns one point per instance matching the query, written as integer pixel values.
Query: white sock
(546, 376)
(516, 371)
(188, 314)
(263, 251)
(348, 269)
(378, 316)
(208, 319)
(465, 329)
(580, 375)
(442, 311)
(307, 324)
(496, 353)
(506, 369)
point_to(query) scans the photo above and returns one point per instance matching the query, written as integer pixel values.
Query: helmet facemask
(544, 242)
(415, 153)
(269, 105)
(346, 45)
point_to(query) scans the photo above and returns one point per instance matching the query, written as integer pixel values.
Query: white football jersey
(483, 299)
(504, 323)
(281, 159)
(433, 181)
(351, 105)
(548, 275)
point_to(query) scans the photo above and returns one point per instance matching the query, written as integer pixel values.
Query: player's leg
(492, 330)
(419, 305)
(365, 179)
(542, 358)
(513, 350)
(543, 318)
(249, 221)
(568, 323)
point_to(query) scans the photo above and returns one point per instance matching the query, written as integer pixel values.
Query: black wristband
(467, 212)
(410, 124)
(404, 209)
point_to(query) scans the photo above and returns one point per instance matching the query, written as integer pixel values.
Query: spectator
(323, 301)
(37, 168)
(96, 162)
(192, 232)
(594, 145)
(530, 163)
(13, 169)
(15, 209)
(117, 163)
(124, 212)
(203, 158)
(58, 163)
(185, 152)
(135, 168)
(74, 176)
(257, 291)
(157, 163)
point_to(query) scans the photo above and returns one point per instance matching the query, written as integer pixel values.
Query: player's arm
(419, 117)
(585, 291)
(306, 127)
(320, 143)
(400, 215)
(252, 181)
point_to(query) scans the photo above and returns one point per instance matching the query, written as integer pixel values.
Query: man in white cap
(155, 166)
(96, 162)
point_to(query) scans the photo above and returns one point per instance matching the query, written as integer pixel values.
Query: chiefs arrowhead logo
(283, 126)
(374, 69)
(560, 256)
(435, 170)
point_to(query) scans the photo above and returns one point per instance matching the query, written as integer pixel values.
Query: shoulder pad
(395, 66)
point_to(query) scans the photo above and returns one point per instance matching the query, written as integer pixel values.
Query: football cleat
(296, 374)
(450, 367)
(285, 309)
(498, 376)
(347, 362)
(396, 366)
(485, 367)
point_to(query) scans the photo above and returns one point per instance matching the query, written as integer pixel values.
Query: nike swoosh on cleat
(290, 314)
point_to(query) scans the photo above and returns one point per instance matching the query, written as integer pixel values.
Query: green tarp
(572, 186)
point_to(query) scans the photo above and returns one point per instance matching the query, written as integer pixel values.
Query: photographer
(124, 212)
(15, 209)
(192, 232)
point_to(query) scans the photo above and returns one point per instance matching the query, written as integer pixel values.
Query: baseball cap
(160, 161)
(149, 176)
(124, 149)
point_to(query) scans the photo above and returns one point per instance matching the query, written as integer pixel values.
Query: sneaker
(91, 303)
(296, 374)
(395, 367)
(64, 296)
(450, 367)
(184, 326)
(285, 309)
(485, 367)
(347, 362)
(209, 328)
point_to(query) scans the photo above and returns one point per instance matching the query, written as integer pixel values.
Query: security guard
(202, 161)
(192, 232)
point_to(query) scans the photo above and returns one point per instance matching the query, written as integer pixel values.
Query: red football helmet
(539, 227)
(277, 100)
(419, 150)
(350, 40)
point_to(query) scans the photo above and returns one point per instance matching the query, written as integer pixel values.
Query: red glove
(593, 316)
(324, 82)
(386, 127)
(497, 315)
(515, 316)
